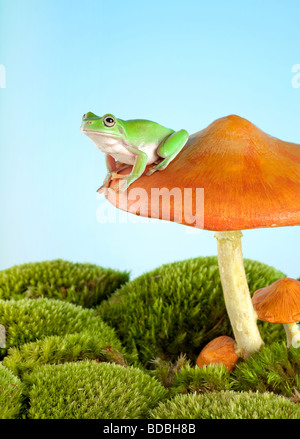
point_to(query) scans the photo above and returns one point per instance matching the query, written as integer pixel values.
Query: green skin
(133, 142)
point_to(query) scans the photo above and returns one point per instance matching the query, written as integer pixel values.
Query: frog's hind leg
(169, 149)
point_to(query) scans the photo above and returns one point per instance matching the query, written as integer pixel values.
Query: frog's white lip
(99, 133)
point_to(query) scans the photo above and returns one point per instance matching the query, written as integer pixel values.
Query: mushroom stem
(236, 293)
(292, 335)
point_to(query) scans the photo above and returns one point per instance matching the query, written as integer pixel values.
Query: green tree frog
(133, 142)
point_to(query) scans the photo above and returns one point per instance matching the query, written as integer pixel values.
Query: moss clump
(91, 390)
(28, 320)
(227, 405)
(165, 371)
(11, 397)
(83, 284)
(179, 307)
(61, 349)
(212, 378)
(181, 377)
(274, 368)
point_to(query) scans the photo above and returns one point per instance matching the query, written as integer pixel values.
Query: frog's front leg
(112, 167)
(137, 170)
(169, 148)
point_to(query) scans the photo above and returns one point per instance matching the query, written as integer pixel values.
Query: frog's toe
(115, 176)
(162, 165)
(102, 190)
(123, 185)
(151, 171)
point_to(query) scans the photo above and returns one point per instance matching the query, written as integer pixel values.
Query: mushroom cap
(279, 302)
(250, 180)
(221, 350)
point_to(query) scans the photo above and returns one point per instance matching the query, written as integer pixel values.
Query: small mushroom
(280, 303)
(221, 350)
(250, 180)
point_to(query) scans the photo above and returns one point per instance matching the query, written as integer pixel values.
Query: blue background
(180, 63)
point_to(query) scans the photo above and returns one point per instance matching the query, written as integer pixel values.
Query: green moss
(11, 397)
(60, 349)
(181, 377)
(91, 390)
(227, 405)
(274, 368)
(165, 371)
(179, 307)
(210, 378)
(28, 320)
(83, 284)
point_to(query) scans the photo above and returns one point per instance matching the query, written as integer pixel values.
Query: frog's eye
(109, 121)
(84, 116)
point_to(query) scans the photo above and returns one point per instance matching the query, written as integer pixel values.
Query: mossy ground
(178, 308)
(82, 284)
(132, 353)
(91, 390)
(227, 405)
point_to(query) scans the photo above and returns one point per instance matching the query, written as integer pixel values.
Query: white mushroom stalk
(292, 335)
(236, 293)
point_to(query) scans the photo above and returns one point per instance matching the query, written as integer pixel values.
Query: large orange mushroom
(250, 180)
(280, 303)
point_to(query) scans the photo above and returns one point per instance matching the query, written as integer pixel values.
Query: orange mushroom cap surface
(250, 179)
(221, 350)
(279, 302)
